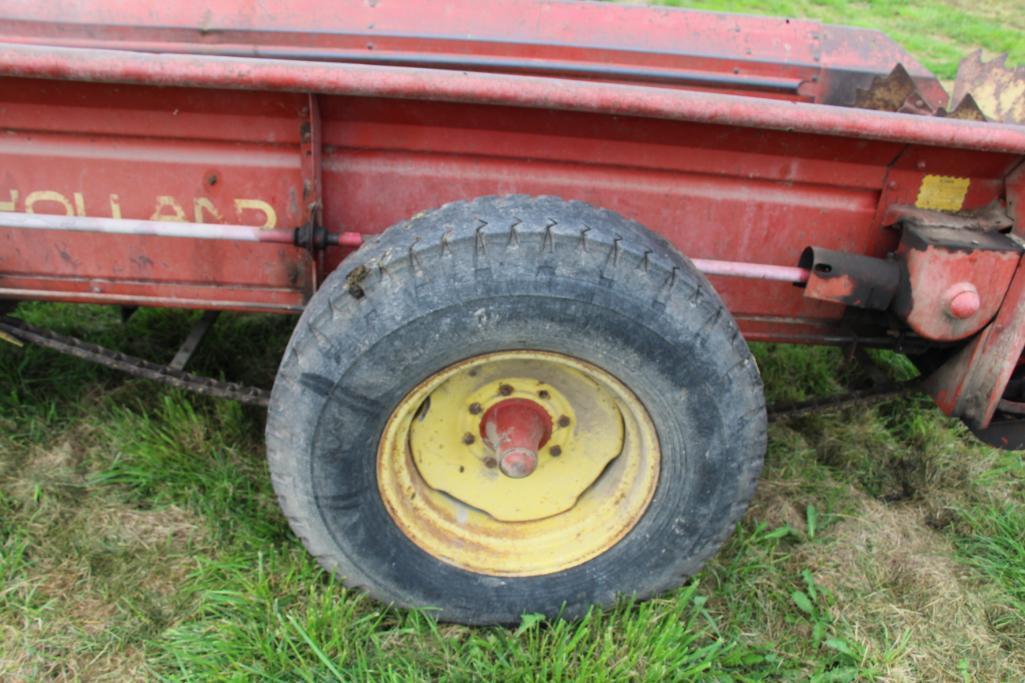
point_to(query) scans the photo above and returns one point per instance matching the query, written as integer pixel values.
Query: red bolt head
(962, 300)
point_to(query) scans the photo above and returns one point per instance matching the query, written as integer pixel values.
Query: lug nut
(475, 409)
(505, 389)
(468, 438)
(543, 394)
(555, 451)
(563, 421)
(490, 463)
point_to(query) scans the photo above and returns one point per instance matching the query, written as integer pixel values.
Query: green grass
(939, 33)
(140, 539)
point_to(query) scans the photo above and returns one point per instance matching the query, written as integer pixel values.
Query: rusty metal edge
(174, 70)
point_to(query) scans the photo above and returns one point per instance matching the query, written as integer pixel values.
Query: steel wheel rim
(425, 493)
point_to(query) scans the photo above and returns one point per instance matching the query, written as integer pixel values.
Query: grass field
(139, 537)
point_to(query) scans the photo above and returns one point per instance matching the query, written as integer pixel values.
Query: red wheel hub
(516, 429)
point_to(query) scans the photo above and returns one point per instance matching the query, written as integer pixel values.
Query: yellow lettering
(11, 205)
(204, 206)
(79, 204)
(47, 196)
(115, 206)
(167, 202)
(270, 216)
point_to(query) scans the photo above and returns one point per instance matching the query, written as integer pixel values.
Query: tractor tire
(638, 400)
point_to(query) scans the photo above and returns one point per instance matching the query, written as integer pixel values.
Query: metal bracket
(312, 235)
(192, 342)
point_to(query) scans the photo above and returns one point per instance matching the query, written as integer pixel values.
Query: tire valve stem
(516, 429)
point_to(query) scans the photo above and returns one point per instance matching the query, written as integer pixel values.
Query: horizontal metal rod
(752, 271)
(464, 62)
(130, 226)
(246, 233)
(116, 66)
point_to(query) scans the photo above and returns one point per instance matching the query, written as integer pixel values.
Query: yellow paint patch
(942, 193)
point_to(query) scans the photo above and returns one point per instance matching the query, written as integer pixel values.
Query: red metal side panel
(162, 154)
(717, 192)
(724, 177)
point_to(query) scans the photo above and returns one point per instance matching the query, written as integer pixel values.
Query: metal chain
(139, 367)
(817, 405)
(131, 365)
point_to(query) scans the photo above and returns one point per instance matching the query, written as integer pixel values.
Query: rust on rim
(586, 487)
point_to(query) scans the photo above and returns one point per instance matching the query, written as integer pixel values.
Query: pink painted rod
(751, 271)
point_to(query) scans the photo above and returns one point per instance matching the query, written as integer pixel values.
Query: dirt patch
(773, 505)
(100, 580)
(147, 528)
(891, 574)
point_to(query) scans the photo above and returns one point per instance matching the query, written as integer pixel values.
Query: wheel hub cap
(479, 434)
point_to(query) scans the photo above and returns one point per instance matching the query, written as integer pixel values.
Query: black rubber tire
(501, 273)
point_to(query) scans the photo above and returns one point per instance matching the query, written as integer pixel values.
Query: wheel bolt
(563, 421)
(475, 409)
(505, 389)
(468, 438)
(555, 451)
(490, 463)
(543, 394)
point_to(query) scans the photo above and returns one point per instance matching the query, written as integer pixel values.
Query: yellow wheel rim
(594, 479)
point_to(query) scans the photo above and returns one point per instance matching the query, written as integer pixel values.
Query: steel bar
(245, 233)
(114, 66)
(464, 62)
(752, 271)
(127, 226)
(192, 342)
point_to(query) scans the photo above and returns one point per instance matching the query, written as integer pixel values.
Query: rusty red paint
(954, 280)
(971, 384)
(170, 70)
(729, 52)
(849, 279)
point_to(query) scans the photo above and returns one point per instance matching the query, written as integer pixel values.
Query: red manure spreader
(527, 242)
